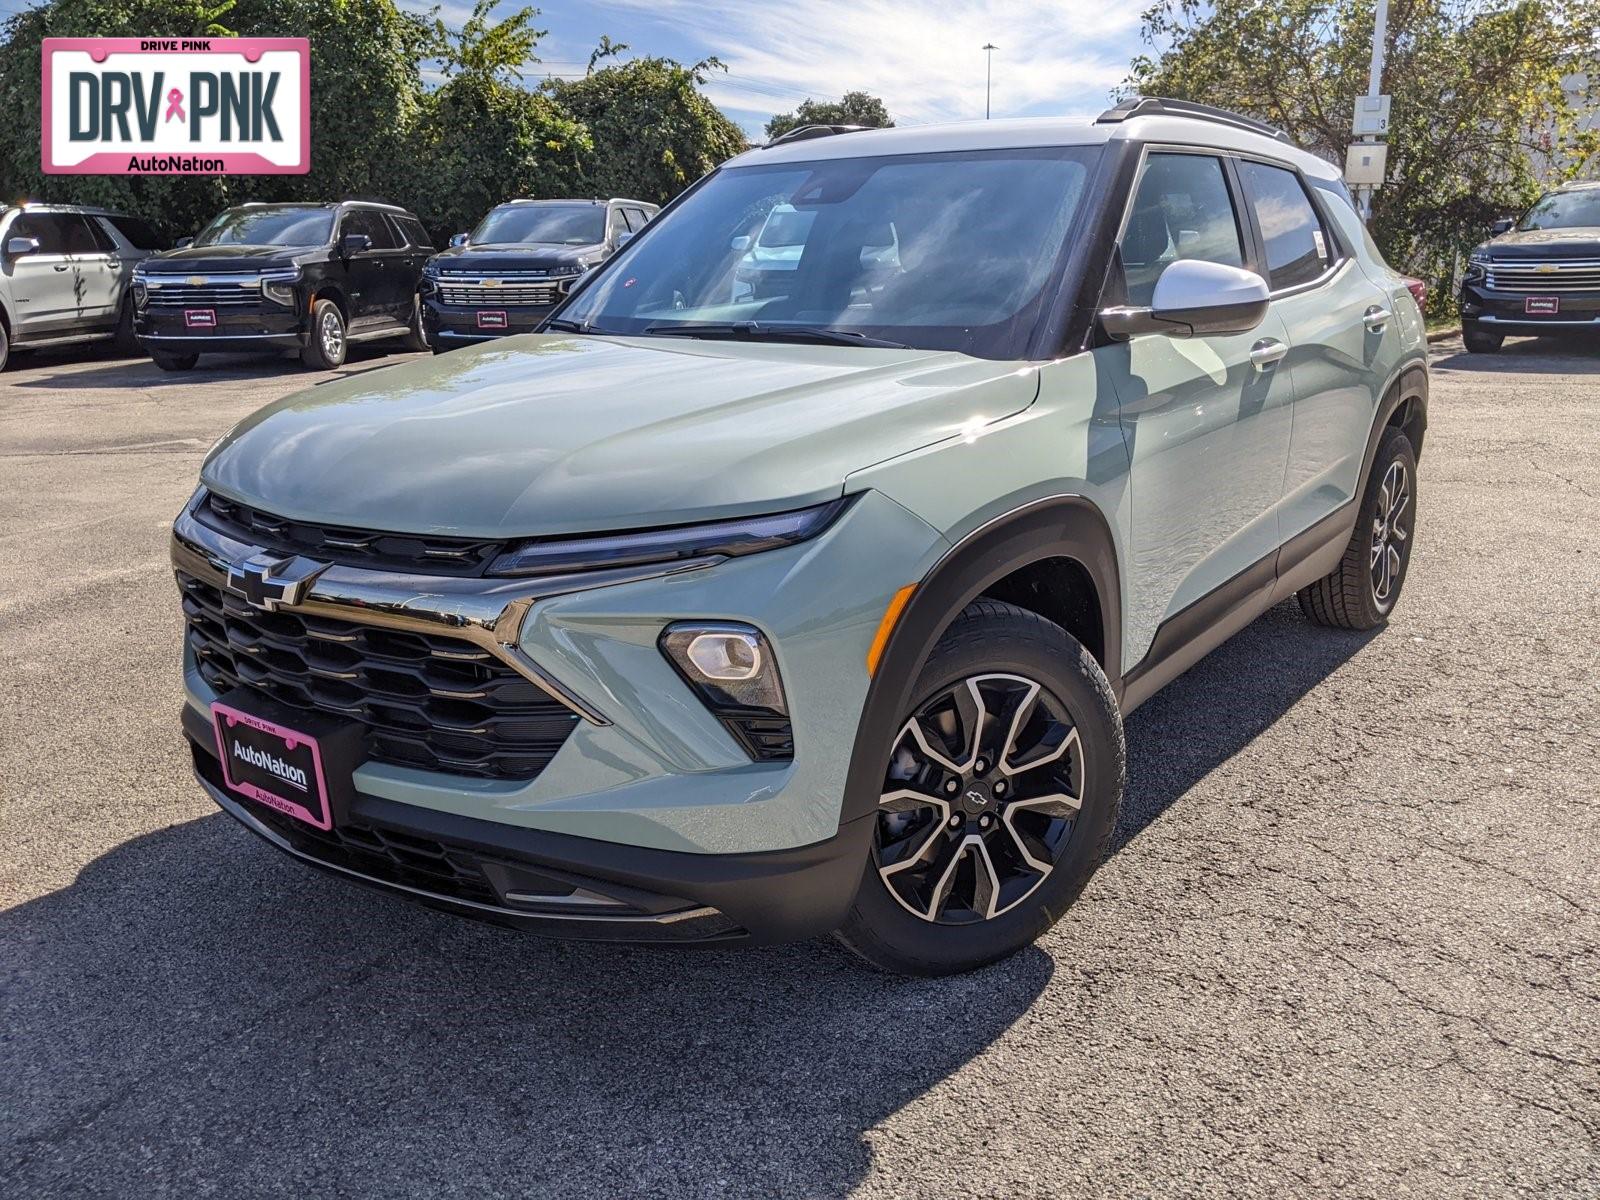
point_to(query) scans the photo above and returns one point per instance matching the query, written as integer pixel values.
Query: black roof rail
(803, 133)
(1160, 106)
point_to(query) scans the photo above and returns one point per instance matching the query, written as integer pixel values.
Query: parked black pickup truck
(508, 273)
(306, 277)
(1539, 275)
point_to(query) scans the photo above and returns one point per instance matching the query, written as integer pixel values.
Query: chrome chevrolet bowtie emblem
(269, 583)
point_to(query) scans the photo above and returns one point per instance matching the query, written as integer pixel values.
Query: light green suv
(715, 613)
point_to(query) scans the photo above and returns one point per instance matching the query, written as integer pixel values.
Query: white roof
(1028, 132)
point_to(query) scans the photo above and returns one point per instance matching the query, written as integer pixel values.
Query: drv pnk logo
(169, 106)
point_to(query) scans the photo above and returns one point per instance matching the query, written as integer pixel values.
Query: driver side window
(1181, 209)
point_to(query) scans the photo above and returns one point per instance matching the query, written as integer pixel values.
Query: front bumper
(1496, 310)
(236, 328)
(558, 885)
(462, 324)
(648, 765)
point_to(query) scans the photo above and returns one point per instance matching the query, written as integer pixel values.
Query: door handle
(1266, 352)
(1376, 317)
(61, 266)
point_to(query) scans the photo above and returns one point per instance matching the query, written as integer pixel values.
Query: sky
(923, 59)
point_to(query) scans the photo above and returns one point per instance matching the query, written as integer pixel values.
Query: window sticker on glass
(1320, 243)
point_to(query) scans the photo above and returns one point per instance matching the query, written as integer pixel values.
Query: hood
(514, 256)
(1545, 243)
(193, 259)
(545, 434)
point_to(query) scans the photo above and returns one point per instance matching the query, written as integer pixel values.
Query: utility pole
(1368, 162)
(988, 75)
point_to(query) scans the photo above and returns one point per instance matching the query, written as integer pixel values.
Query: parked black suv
(308, 277)
(1539, 275)
(508, 273)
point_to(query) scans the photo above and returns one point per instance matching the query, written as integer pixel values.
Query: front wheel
(1478, 342)
(999, 798)
(325, 350)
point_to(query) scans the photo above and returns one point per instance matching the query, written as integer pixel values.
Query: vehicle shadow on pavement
(1543, 355)
(194, 1012)
(1206, 716)
(71, 374)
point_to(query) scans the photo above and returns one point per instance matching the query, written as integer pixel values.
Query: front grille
(213, 294)
(1546, 276)
(434, 703)
(509, 296)
(395, 856)
(351, 547)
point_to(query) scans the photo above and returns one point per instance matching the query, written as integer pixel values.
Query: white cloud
(923, 59)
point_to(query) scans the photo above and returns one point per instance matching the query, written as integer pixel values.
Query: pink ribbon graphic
(175, 105)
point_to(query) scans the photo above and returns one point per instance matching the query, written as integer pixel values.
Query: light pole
(988, 74)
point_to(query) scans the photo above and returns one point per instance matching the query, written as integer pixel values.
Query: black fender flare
(1065, 526)
(1410, 386)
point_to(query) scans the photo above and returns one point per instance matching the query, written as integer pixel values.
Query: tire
(123, 340)
(327, 340)
(1363, 589)
(1478, 342)
(5, 346)
(416, 336)
(440, 350)
(924, 833)
(169, 361)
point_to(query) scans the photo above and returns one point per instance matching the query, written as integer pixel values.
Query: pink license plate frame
(225, 715)
(493, 318)
(200, 318)
(1541, 306)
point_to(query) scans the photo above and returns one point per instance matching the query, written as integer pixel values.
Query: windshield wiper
(562, 325)
(756, 332)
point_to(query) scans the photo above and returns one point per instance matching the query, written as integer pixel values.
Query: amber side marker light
(891, 616)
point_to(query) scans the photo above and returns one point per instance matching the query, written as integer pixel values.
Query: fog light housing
(732, 669)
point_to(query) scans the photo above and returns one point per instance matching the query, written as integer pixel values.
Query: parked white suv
(64, 275)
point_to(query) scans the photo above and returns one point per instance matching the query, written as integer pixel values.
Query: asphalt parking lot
(1348, 942)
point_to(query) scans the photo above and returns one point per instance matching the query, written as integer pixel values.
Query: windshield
(1564, 210)
(269, 227)
(937, 251)
(570, 225)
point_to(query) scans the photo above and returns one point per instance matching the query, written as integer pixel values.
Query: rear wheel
(326, 348)
(1000, 796)
(1362, 590)
(168, 361)
(5, 346)
(123, 339)
(416, 336)
(1478, 342)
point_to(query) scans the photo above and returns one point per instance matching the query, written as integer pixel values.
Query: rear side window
(636, 217)
(140, 234)
(413, 230)
(1182, 209)
(1297, 245)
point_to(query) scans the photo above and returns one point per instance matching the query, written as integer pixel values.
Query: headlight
(723, 539)
(279, 288)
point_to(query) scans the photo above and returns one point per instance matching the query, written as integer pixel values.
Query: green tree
(365, 87)
(483, 137)
(1479, 121)
(654, 131)
(853, 108)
